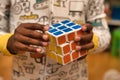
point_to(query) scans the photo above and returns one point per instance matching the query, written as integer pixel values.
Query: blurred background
(101, 65)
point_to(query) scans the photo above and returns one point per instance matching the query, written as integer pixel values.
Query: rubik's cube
(62, 47)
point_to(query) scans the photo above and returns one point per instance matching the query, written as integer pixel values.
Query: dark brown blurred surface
(98, 64)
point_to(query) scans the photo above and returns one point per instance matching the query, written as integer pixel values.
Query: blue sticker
(52, 30)
(65, 21)
(56, 25)
(70, 24)
(67, 30)
(76, 27)
(62, 27)
(58, 33)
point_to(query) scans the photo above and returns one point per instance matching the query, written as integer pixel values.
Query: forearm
(101, 37)
(4, 25)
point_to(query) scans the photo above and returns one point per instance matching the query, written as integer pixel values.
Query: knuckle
(32, 48)
(27, 48)
(16, 45)
(39, 43)
(16, 37)
(28, 40)
(30, 34)
(21, 25)
(35, 34)
(36, 42)
(16, 30)
(33, 41)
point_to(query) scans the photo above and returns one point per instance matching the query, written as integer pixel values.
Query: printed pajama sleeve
(96, 16)
(4, 26)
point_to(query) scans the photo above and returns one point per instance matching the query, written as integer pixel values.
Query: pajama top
(15, 12)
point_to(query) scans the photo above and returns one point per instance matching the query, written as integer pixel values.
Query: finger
(84, 38)
(31, 41)
(36, 26)
(33, 34)
(22, 47)
(87, 27)
(21, 52)
(36, 55)
(85, 47)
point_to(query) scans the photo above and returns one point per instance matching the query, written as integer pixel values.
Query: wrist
(9, 46)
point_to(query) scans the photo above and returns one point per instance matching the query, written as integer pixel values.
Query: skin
(86, 38)
(28, 34)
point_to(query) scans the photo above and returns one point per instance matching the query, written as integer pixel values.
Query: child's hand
(28, 34)
(85, 40)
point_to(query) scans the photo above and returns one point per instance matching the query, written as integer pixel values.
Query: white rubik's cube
(62, 46)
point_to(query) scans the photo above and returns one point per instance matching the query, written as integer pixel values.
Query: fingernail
(77, 38)
(78, 47)
(38, 49)
(45, 36)
(44, 43)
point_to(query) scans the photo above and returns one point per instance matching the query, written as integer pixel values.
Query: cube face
(59, 39)
(67, 59)
(60, 59)
(63, 49)
(52, 54)
(64, 59)
(75, 55)
(71, 36)
(51, 47)
(66, 49)
(73, 45)
(62, 46)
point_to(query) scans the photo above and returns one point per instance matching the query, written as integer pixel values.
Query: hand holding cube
(62, 46)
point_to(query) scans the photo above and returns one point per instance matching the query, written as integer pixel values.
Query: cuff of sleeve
(96, 42)
(3, 44)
